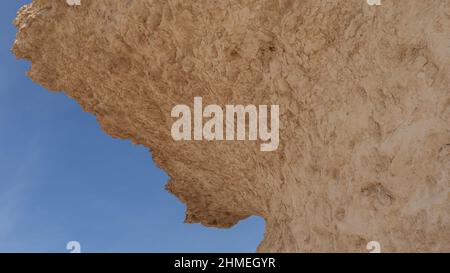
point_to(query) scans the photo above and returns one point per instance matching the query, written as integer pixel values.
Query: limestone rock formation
(364, 95)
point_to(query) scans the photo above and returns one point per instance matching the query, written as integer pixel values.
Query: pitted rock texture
(364, 95)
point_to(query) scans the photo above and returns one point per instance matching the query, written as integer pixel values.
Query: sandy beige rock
(364, 95)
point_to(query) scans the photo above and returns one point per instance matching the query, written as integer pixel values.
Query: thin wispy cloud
(14, 187)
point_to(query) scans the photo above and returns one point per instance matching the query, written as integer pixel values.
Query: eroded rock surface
(364, 95)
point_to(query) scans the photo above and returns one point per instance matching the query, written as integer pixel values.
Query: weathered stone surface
(364, 95)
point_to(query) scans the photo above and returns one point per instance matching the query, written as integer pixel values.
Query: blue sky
(63, 179)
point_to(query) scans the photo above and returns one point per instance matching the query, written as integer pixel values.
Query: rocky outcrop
(364, 95)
